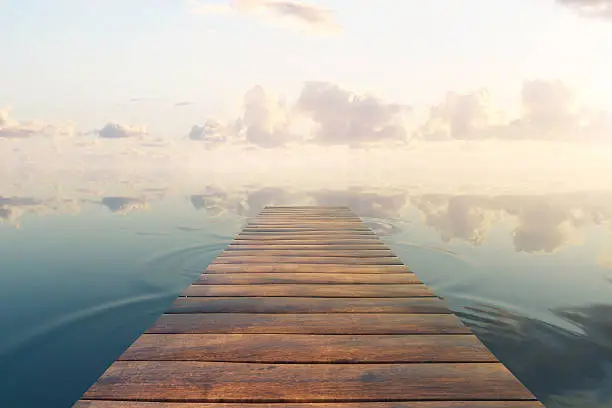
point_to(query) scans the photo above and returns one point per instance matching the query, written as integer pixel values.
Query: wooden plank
(309, 235)
(234, 382)
(304, 223)
(354, 323)
(412, 404)
(258, 246)
(296, 305)
(311, 238)
(391, 260)
(308, 278)
(309, 290)
(307, 219)
(294, 228)
(304, 268)
(299, 348)
(299, 252)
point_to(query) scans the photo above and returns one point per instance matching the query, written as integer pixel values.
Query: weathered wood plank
(412, 404)
(314, 238)
(307, 223)
(308, 278)
(293, 305)
(299, 348)
(299, 219)
(390, 260)
(204, 381)
(297, 252)
(301, 245)
(310, 230)
(355, 323)
(310, 290)
(304, 268)
(317, 229)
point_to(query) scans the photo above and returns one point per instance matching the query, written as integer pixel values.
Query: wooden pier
(307, 308)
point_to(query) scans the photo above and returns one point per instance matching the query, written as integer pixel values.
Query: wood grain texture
(412, 404)
(312, 238)
(304, 268)
(390, 260)
(259, 246)
(354, 323)
(308, 231)
(311, 290)
(323, 227)
(280, 348)
(304, 224)
(293, 305)
(305, 278)
(299, 252)
(233, 382)
(303, 218)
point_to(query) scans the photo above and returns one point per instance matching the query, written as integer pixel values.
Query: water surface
(84, 270)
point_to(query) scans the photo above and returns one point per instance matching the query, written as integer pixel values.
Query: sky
(110, 82)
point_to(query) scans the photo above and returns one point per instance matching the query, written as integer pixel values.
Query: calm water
(85, 269)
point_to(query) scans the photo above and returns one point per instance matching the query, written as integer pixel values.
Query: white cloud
(324, 114)
(13, 129)
(549, 111)
(590, 8)
(460, 117)
(344, 117)
(213, 131)
(308, 15)
(118, 131)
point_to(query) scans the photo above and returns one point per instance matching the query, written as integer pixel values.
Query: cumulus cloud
(309, 15)
(265, 122)
(117, 131)
(590, 8)
(460, 117)
(343, 117)
(323, 114)
(549, 111)
(213, 133)
(13, 129)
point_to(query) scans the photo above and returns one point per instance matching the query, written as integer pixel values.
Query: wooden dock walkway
(307, 308)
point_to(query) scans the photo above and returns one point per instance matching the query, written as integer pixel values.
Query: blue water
(83, 273)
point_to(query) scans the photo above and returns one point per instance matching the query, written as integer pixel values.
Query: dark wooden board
(301, 348)
(308, 278)
(412, 404)
(354, 323)
(293, 305)
(391, 260)
(218, 382)
(310, 290)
